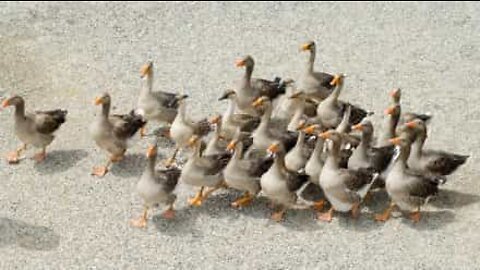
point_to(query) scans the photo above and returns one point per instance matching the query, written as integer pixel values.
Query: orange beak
(389, 110)
(395, 141)
(324, 135)
(258, 102)
(273, 148)
(6, 103)
(144, 70)
(305, 47)
(310, 129)
(192, 141)
(411, 124)
(358, 127)
(98, 101)
(240, 63)
(394, 92)
(335, 80)
(151, 151)
(231, 145)
(215, 120)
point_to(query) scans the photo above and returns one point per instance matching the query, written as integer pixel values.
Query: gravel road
(56, 216)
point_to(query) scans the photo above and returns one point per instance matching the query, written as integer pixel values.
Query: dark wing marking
(126, 125)
(295, 180)
(358, 178)
(47, 122)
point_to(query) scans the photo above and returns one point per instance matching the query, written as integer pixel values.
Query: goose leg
(141, 222)
(169, 162)
(102, 170)
(356, 210)
(245, 200)
(143, 131)
(328, 216)
(386, 214)
(415, 216)
(169, 213)
(197, 200)
(39, 157)
(13, 157)
(318, 205)
(278, 215)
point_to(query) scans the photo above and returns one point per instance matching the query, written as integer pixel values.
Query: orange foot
(244, 201)
(326, 217)
(169, 214)
(100, 171)
(139, 223)
(382, 217)
(278, 216)
(39, 157)
(355, 211)
(196, 201)
(415, 217)
(13, 158)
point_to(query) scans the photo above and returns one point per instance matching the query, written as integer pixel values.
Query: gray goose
(35, 129)
(244, 173)
(203, 171)
(343, 188)
(158, 106)
(331, 110)
(250, 88)
(232, 120)
(435, 162)
(315, 84)
(112, 132)
(156, 186)
(280, 184)
(389, 129)
(396, 94)
(407, 188)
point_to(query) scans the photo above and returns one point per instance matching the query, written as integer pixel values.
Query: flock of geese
(298, 144)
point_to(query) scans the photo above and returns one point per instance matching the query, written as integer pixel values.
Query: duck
(271, 129)
(408, 189)
(36, 129)
(249, 89)
(396, 95)
(280, 184)
(157, 106)
(112, 132)
(183, 128)
(343, 188)
(203, 171)
(315, 84)
(390, 124)
(436, 162)
(244, 173)
(156, 186)
(232, 120)
(366, 155)
(331, 110)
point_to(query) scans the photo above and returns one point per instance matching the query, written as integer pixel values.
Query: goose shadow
(60, 161)
(451, 199)
(131, 165)
(430, 220)
(27, 236)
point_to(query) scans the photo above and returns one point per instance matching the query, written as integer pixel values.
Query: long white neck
(297, 116)
(229, 112)
(333, 155)
(311, 61)
(336, 93)
(148, 83)
(265, 121)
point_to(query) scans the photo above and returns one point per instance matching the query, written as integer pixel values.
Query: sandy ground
(56, 216)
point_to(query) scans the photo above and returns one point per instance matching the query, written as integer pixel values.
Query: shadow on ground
(60, 161)
(27, 236)
(132, 165)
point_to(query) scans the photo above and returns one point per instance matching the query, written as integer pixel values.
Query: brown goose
(111, 132)
(315, 84)
(331, 110)
(159, 105)
(156, 187)
(244, 173)
(280, 184)
(35, 129)
(435, 162)
(183, 128)
(249, 89)
(407, 188)
(203, 171)
(344, 189)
